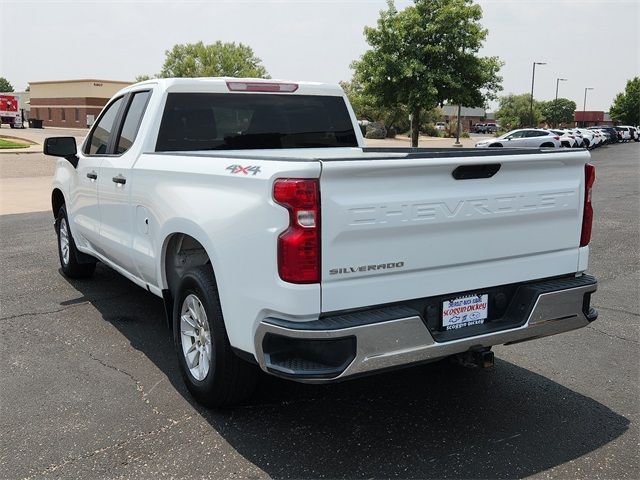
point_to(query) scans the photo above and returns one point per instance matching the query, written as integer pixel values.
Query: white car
(588, 137)
(625, 133)
(628, 133)
(526, 137)
(279, 243)
(440, 126)
(567, 140)
(576, 135)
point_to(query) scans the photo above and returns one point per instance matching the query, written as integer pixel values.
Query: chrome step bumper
(381, 343)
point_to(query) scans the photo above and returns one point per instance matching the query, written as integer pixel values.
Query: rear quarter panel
(234, 217)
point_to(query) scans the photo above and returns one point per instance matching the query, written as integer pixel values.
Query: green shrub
(431, 130)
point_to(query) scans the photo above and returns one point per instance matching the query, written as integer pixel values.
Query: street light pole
(533, 79)
(555, 103)
(584, 106)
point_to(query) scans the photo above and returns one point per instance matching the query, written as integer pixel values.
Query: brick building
(71, 103)
(468, 116)
(591, 118)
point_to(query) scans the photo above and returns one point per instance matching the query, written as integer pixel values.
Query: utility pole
(555, 104)
(533, 79)
(584, 107)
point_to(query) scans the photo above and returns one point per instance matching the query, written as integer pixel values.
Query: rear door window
(98, 141)
(132, 121)
(211, 121)
(516, 134)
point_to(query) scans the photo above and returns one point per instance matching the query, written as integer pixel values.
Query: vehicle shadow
(430, 421)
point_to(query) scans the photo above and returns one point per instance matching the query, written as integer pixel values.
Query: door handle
(119, 179)
(92, 175)
(469, 172)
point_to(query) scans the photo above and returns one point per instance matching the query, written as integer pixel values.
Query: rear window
(219, 121)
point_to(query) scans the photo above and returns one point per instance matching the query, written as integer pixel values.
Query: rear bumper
(334, 348)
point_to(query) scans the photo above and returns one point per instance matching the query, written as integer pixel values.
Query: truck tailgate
(395, 229)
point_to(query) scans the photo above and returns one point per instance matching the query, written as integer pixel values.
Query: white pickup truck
(279, 242)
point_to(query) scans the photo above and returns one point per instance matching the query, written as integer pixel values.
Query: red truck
(10, 111)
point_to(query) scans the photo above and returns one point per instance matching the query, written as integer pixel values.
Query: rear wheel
(547, 144)
(213, 373)
(67, 251)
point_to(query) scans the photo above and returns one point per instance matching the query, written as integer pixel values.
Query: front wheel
(67, 251)
(213, 373)
(495, 145)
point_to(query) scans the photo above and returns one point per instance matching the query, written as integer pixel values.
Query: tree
(514, 111)
(213, 60)
(366, 107)
(626, 105)
(426, 55)
(144, 77)
(558, 111)
(5, 86)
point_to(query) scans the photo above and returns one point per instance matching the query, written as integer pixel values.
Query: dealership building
(71, 103)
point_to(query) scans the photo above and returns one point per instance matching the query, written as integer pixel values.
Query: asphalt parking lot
(89, 385)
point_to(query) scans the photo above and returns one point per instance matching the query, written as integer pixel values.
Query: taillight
(587, 216)
(556, 138)
(299, 245)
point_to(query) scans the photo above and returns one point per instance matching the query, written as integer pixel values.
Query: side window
(132, 121)
(99, 139)
(516, 135)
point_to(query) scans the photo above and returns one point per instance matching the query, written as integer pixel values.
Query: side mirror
(62, 147)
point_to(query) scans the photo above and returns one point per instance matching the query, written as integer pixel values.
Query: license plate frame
(464, 311)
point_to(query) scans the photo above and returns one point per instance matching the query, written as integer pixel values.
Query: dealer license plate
(465, 311)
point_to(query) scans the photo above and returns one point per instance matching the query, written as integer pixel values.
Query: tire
(495, 145)
(547, 144)
(68, 254)
(224, 379)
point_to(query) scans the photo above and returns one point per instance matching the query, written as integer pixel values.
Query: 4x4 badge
(240, 169)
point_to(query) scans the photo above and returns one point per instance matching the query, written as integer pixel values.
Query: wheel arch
(57, 201)
(182, 248)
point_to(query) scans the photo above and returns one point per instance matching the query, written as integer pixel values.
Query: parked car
(567, 139)
(577, 137)
(478, 128)
(632, 132)
(206, 193)
(490, 128)
(625, 133)
(611, 132)
(526, 137)
(440, 126)
(588, 137)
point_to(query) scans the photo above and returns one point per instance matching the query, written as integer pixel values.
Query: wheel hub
(64, 241)
(195, 337)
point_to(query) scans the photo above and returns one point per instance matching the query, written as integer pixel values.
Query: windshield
(219, 121)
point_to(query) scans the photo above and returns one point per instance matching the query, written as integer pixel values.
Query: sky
(591, 43)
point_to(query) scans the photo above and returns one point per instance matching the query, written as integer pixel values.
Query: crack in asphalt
(48, 312)
(611, 335)
(66, 307)
(139, 386)
(619, 310)
(118, 445)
